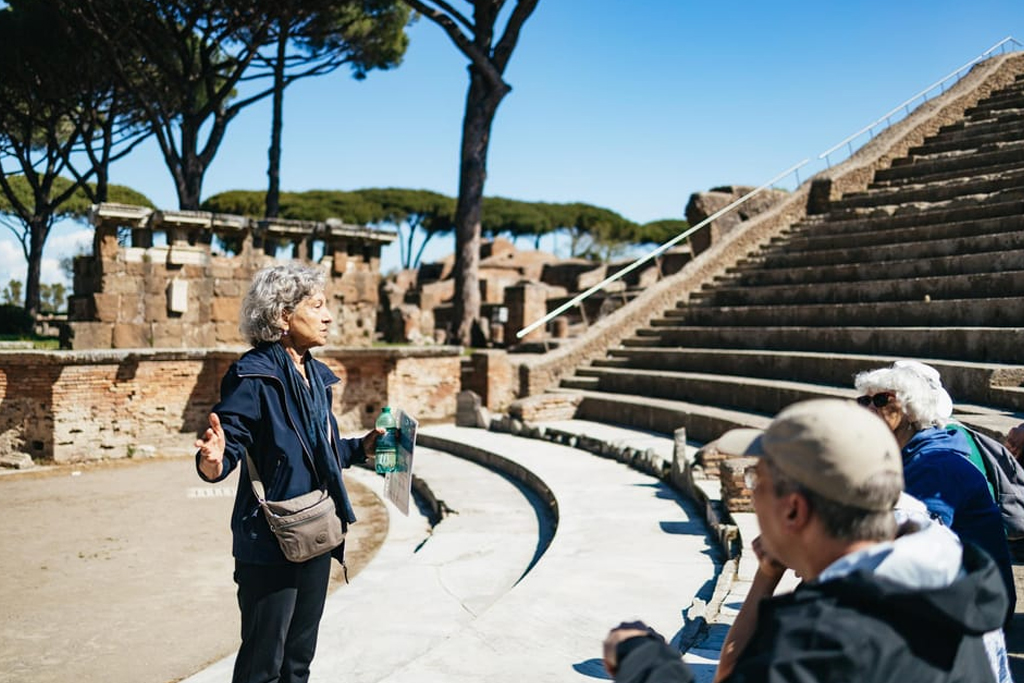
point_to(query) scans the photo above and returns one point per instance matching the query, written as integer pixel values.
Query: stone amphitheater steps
(927, 262)
(938, 177)
(1008, 175)
(627, 390)
(806, 237)
(922, 167)
(970, 137)
(969, 382)
(953, 286)
(1008, 101)
(1003, 127)
(876, 253)
(974, 344)
(989, 311)
(927, 207)
(965, 264)
(703, 422)
(997, 206)
(730, 391)
(755, 395)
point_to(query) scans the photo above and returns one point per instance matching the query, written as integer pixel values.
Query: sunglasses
(879, 400)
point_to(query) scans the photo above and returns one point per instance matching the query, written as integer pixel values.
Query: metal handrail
(940, 83)
(643, 259)
(791, 170)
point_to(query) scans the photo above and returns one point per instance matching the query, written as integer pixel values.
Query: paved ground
(121, 572)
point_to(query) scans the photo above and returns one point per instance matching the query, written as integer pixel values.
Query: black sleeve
(650, 660)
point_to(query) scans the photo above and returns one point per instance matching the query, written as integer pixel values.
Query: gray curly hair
(918, 398)
(276, 290)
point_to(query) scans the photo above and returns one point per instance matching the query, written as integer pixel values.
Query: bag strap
(254, 479)
(257, 483)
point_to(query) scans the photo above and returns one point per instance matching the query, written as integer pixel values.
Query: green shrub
(15, 320)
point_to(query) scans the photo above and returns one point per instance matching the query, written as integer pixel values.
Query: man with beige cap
(872, 607)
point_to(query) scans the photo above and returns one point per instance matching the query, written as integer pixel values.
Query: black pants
(281, 607)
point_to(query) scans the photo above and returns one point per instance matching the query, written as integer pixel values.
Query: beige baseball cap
(735, 441)
(832, 447)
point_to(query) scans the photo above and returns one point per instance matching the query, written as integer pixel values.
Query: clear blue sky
(628, 104)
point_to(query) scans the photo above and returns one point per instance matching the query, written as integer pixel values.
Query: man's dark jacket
(258, 415)
(860, 628)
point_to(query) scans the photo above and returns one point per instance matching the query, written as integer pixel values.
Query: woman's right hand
(211, 449)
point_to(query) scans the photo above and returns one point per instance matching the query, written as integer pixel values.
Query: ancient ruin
(175, 279)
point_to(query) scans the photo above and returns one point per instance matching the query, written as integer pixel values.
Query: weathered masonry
(175, 279)
(70, 406)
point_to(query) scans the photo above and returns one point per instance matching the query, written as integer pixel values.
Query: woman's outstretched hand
(211, 449)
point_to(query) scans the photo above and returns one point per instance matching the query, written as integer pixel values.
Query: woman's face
(885, 405)
(308, 324)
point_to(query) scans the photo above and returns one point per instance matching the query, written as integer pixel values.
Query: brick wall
(490, 375)
(546, 407)
(69, 406)
(735, 494)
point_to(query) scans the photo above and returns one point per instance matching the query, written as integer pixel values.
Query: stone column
(527, 303)
(492, 378)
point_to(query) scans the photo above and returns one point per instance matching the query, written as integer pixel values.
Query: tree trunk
(187, 168)
(39, 228)
(415, 263)
(273, 201)
(191, 184)
(482, 103)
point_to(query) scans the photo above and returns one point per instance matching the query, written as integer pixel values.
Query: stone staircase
(927, 262)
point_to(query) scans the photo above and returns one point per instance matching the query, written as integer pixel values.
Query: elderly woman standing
(276, 406)
(937, 469)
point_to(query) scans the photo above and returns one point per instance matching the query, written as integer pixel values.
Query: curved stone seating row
(496, 591)
(626, 547)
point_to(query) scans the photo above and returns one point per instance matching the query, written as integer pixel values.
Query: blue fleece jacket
(937, 471)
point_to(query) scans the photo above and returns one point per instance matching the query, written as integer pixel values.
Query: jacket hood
(937, 438)
(923, 577)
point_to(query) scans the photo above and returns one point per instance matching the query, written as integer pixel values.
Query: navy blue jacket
(257, 415)
(937, 471)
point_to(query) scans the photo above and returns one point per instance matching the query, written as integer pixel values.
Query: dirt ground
(121, 572)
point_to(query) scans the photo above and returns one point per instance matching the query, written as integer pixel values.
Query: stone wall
(703, 205)
(68, 406)
(735, 494)
(489, 374)
(537, 374)
(132, 293)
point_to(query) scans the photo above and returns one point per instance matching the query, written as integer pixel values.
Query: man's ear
(796, 511)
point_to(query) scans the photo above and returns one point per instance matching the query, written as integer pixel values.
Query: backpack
(1007, 478)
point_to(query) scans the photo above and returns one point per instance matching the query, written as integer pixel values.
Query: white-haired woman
(937, 467)
(276, 407)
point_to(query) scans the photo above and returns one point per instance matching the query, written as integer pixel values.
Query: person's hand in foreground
(1015, 441)
(622, 633)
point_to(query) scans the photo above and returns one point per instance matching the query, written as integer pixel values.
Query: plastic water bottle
(386, 453)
